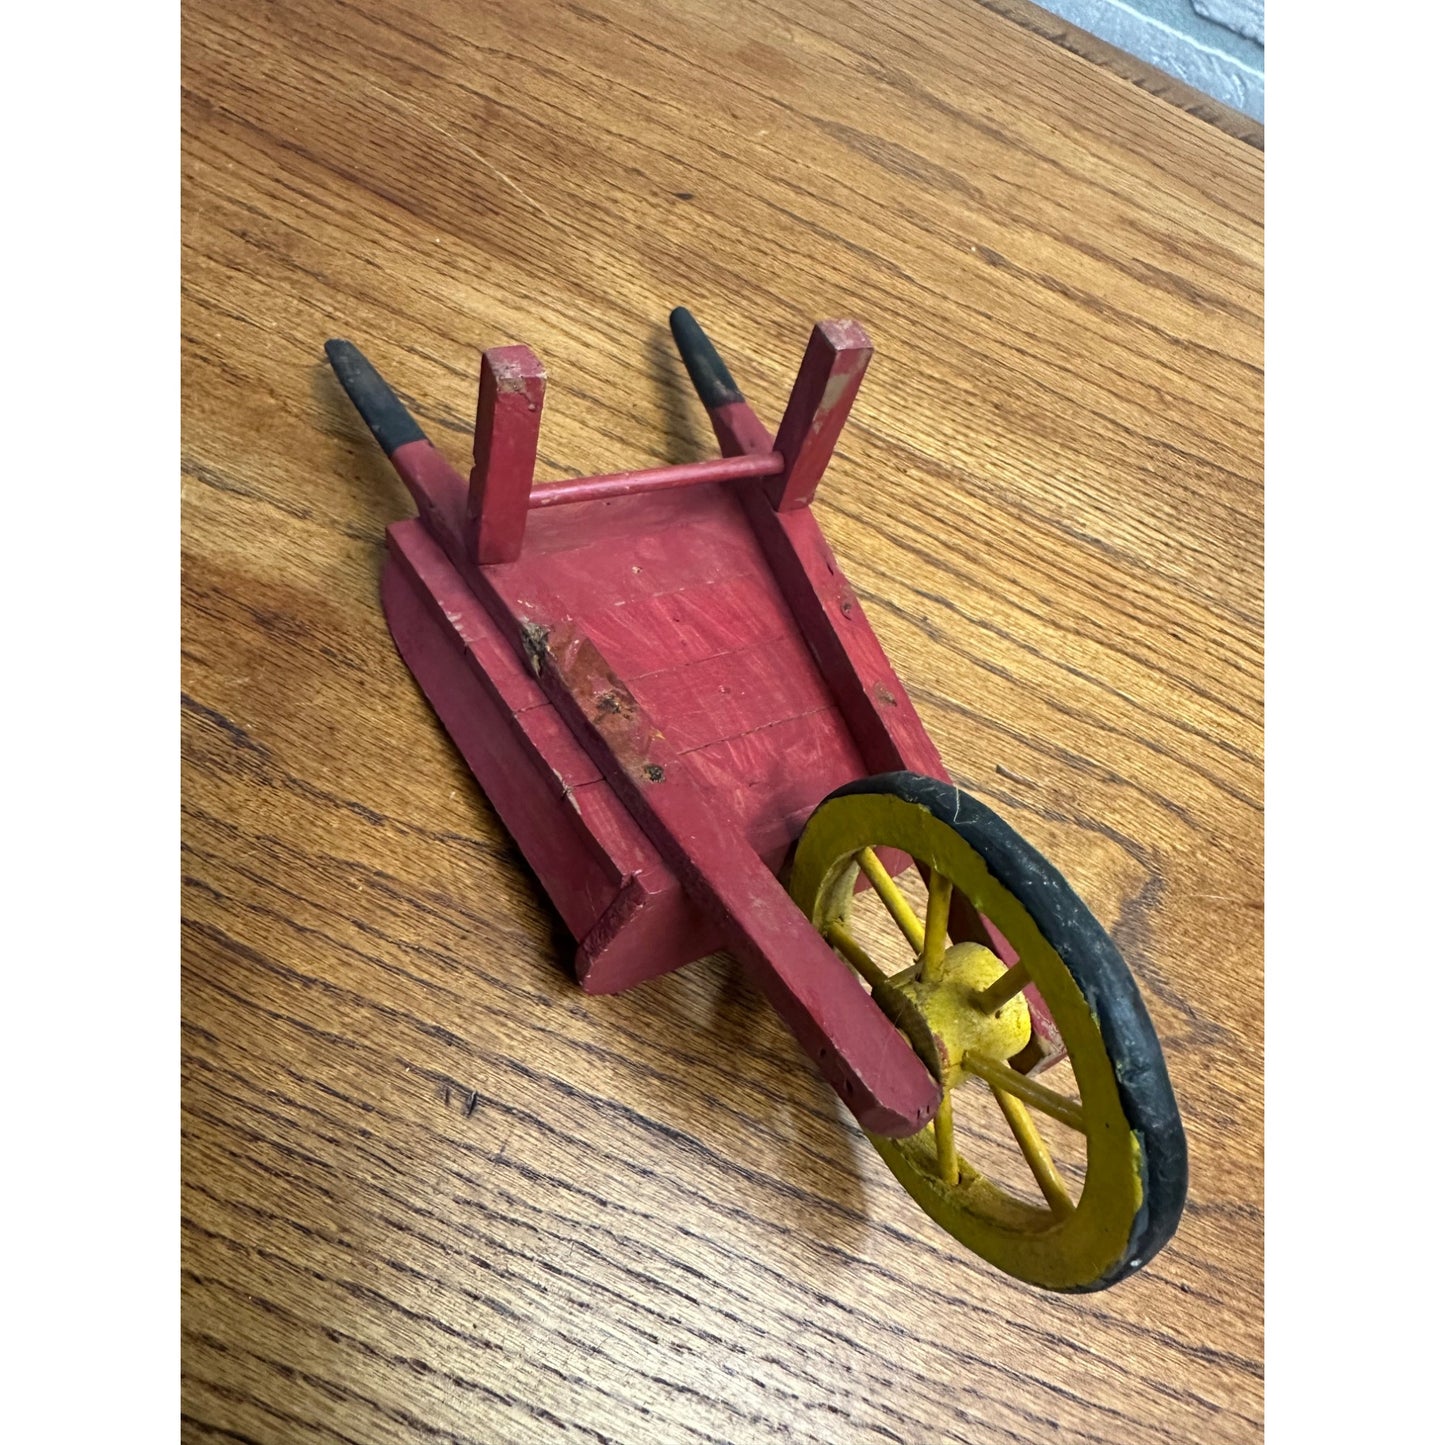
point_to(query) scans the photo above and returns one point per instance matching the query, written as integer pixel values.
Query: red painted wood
(652, 928)
(655, 813)
(829, 615)
(511, 703)
(703, 542)
(698, 622)
(491, 655)
(830, 618)
(695, 539)
(737, 428)
(780, 773)
(655, 479)
(773, 778)
(509, 417)
(865, 1059)
(891, 735)
(569, 822)
(439, 493)
(732, 694)
(620, 520)
(828, 379)
(694, 543)
(558, 844)
(602, 872)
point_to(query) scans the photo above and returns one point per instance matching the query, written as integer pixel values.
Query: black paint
(710, 377)
(381, 409)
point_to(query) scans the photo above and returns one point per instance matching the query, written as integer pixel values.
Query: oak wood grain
(431, 1191)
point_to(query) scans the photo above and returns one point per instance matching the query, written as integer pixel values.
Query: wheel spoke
(943, 1140)
(1002, 989)
(893, 899)
(1035, 1152)
(1035, 1095)
(853, 953)
(935, 924)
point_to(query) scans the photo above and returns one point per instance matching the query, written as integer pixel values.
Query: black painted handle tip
(711, 379)
(380, 407)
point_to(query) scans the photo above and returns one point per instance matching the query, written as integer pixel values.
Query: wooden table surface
(431, 1190)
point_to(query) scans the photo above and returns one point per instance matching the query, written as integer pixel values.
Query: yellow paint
(1058, 1242)
(854, 953)
(893, 899)
(1003, 988)
(943, 1141)
(935, 925)
(950, 1015)
(1029, 1091)
(1035, 1151)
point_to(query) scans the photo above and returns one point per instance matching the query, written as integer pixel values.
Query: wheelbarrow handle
(711, 379)
(380, 408)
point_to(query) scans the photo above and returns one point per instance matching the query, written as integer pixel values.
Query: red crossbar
(655, 479)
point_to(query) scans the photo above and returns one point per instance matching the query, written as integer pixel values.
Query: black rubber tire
(1106, 983)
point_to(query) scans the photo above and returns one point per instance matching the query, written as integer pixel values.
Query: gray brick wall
(1216, 46)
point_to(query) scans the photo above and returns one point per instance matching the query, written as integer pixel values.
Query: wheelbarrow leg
(827, 383)
(504, 451)
(828, 380)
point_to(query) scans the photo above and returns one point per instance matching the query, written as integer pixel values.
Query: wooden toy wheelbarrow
(670, 694)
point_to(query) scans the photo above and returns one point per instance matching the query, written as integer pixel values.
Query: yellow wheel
(1078, 1226)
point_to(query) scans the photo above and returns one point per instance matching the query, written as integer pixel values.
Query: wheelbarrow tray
(736, 632)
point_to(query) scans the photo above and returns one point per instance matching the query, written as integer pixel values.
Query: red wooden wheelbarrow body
(656, 677)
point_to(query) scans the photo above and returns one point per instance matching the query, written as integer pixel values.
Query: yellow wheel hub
(950, 1008)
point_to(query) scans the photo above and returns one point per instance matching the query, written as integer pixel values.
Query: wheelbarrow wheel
(964, 1011)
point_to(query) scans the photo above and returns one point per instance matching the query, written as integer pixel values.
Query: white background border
(1354, 712)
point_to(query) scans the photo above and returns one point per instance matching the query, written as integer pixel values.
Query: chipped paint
(833, 393)
(534, 644)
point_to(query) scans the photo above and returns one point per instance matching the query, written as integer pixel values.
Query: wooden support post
(509, 416)
(828, 380)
